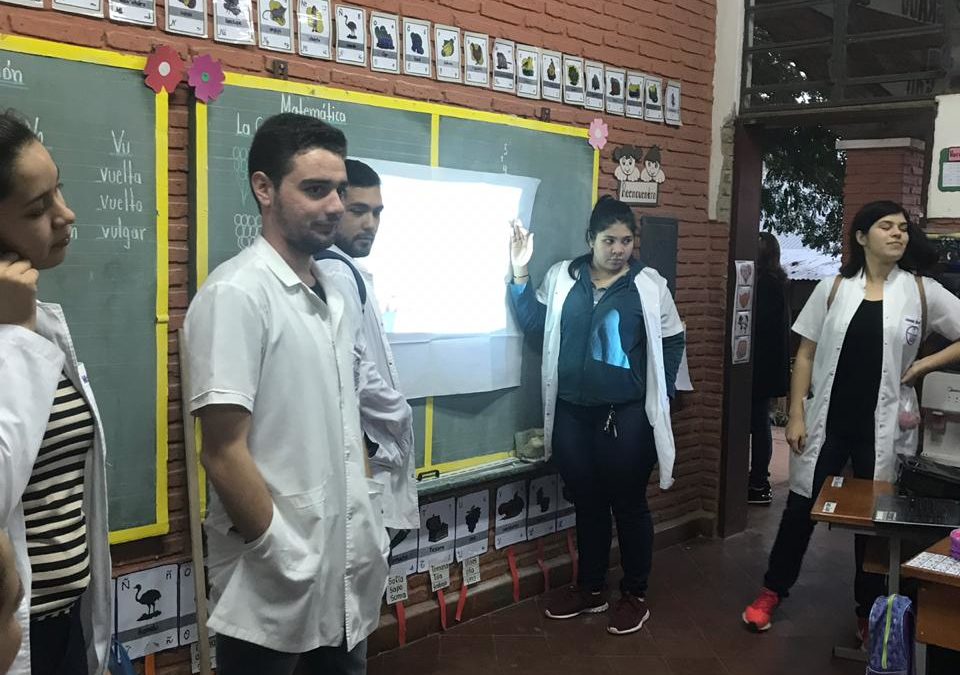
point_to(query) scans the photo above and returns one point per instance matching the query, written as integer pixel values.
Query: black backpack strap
(327, 254)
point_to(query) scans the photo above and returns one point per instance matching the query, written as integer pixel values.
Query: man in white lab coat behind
(392, 464)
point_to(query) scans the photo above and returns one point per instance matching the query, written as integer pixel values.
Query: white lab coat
(394, 464)
(257, 337)
(30, 368)
(901, 317)
(660, 320)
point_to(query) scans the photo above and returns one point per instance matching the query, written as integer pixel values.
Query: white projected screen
(439, 263)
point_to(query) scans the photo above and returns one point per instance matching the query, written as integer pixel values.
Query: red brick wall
(674, 39)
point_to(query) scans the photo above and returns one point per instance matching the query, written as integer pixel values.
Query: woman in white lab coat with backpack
(52, 463)
(853, 375)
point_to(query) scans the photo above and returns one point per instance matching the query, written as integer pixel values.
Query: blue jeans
(607, 473)
(236, 657)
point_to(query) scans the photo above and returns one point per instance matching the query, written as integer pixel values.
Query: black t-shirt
(318, 289)
(856, 384)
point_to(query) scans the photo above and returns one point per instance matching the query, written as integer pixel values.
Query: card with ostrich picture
(351, 23)
(593, 83)
(186, 17)
(276, 25)
(551, 75)
(528, 71)
(476, 59)
(633, 102)
(653, 99)
(511, 515)
(573, 78)
(147, 610)
(446, 41)
(504, 74)
(437, 528)
(542, 510)
(403, 556)
(384, 42)
(233, 22)
(671, 113)
(314, 34)
(473, 521)
(416, 48)
(616, 84)
(566, 512)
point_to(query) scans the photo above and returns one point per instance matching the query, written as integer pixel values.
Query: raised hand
(521, 247)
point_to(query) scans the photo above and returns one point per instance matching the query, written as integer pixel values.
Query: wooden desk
(938, 607)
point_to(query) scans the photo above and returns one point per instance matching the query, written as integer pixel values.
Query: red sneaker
(757, 615)
(863, 632)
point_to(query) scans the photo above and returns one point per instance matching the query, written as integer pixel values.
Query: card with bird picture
(417, 59)
(447, 44)
(573, 79)
(233, 22)
(504, 63)
(351, 34)
(147, 610)
(314, 34)
(616, 84)
(384, 42)
(185, 17)
(594, 84)
(551, 75)
(476, 59)
(528, 71)
(276, 25)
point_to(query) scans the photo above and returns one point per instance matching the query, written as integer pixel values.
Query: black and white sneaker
(761, 496)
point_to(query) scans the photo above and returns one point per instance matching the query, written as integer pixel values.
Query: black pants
(605, 472)
(236, 657)
(761, 443)
(57, 646)
(796, 526)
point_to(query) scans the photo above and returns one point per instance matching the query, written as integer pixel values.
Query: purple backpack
(891, 636)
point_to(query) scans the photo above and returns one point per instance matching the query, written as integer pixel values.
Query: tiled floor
(698, 590)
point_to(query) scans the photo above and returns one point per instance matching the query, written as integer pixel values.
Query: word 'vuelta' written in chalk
(127, 177)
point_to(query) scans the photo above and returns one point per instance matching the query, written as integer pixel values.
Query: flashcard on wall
(142, 12)
(744, 297)
(384, 42)
(314, 34)
(473, 522)
(594, 83)
(447, 43)
(233, 21)
(528, 71)
(671, 113)
(185, 17)
(276, 25)
(476, 59)
(653, 103)
(741, 349)
(551, 75)
(86, 7)
(511, 517)
(351, 35)
(397, 589)
(573, 79)
(745, 272)
(566, 512)
(742, 324)
(504, 61)
(195, 654)
(25, 3)
(147, 610)
(640, 173)
(633, 104)
(403, 557)
(187, 606)
(416, 48)
(615, 90)
(436, 534)
(542, 510)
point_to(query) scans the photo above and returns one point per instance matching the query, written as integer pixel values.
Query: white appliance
(941, 418)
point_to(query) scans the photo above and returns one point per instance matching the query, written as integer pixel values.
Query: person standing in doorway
(771, 362)
(392, 464)
(297, 546)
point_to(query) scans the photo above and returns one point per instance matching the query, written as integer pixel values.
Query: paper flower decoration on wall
(164, 69)
(206, 78)
(598, 133)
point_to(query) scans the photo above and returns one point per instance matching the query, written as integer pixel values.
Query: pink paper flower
(598, 133)
(164, 69)
(206, 78)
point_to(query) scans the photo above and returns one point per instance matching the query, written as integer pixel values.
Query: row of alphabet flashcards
(406, 46)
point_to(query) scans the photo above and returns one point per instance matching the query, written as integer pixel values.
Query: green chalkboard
(99, 124)
(232, 120)
(479, 424)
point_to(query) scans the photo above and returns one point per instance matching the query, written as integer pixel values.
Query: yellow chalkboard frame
(436, 111)
(59, 50)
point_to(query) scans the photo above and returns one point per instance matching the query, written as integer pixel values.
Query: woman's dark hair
(768, 257)
(919, 255)
(15, 135)
(606, 212)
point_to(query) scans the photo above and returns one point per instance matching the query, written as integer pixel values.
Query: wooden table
(938, 607)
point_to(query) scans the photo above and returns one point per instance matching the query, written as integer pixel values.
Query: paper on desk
(935, 562)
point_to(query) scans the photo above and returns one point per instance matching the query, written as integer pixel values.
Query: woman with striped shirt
(52, 468)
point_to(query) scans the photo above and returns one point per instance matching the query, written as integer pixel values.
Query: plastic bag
(908, 421)
(120, 663)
